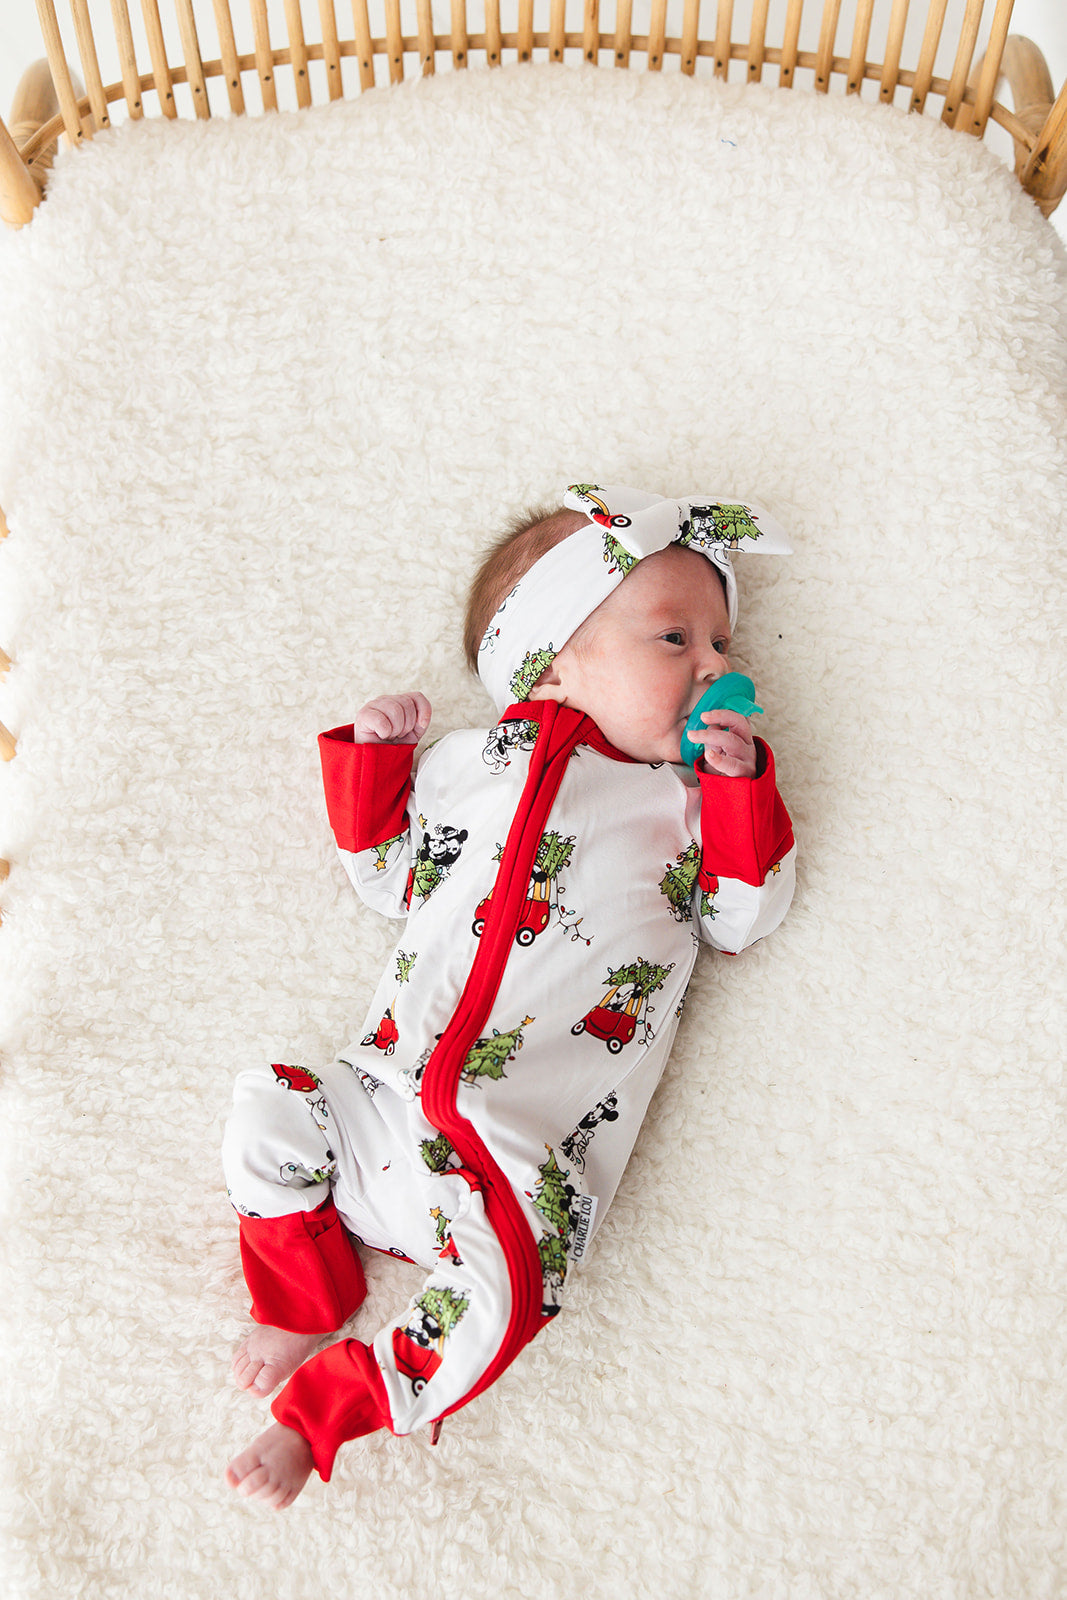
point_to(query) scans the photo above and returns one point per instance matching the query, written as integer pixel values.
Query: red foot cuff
(337, 1395)
(302, 1270)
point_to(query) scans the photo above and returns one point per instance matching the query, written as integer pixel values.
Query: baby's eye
(675, 636)
(722, 646)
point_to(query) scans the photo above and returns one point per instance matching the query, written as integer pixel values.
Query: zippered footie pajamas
(480, 1122)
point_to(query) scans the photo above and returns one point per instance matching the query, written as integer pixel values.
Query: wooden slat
(525, 41)
(131, 81)
(298, 55)
(162, 81)
(861, 34)
(394, 41)
(460, 41)
(790, 40)
(757, 40)
(957, 83)
(364, 47)
(989, 73)
(894, 44)
(690, 35)
(264, 59)
(331, 49)
(591, 31)
(57, 61)
(7, 744)
(623, 29)
(924, 73)
(657, 35)
(94, 84)
(827, 34)
(557, 30)
(194, 66)
(723, 27)
(427, 48)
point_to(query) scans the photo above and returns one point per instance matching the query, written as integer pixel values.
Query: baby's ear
(549, 685)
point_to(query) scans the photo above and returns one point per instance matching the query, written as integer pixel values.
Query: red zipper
(560, 731)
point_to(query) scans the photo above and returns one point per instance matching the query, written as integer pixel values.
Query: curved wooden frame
(59, 106)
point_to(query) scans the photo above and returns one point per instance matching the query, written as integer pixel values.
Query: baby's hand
(392, 719)
(729, 746)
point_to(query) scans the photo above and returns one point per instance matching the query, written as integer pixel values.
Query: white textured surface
(264, 389)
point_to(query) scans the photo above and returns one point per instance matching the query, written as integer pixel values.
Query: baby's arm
(747, 857)
(367, 777)
(392, 719)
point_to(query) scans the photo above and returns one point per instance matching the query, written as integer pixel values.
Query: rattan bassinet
(851, 50)
(51, 103)
(267, 385)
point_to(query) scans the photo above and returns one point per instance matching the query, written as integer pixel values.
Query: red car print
(616, 1028)
(533, 920)
(415, 1361)
(386, 1035)
(295, 1078)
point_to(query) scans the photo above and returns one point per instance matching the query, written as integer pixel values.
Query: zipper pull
(435, 1431)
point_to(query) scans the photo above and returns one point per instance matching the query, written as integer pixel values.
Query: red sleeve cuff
(367, 787)
(337, 1395)
(744, 825)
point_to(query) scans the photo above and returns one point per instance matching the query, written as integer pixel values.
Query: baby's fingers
(728, 744)
(393, 718)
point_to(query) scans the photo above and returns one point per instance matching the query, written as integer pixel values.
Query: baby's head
(620, 605)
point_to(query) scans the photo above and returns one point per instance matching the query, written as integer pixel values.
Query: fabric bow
(566, 586)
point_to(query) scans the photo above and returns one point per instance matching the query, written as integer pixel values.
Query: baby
(555, 872)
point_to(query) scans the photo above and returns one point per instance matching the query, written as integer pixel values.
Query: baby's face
(641, 662)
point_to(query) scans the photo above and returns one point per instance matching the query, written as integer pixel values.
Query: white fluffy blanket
(267, 386)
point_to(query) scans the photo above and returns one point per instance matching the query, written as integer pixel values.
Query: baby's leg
(300, 1265)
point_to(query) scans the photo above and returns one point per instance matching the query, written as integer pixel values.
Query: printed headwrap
(554, 598)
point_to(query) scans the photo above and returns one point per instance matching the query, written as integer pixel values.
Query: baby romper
(480, 1121)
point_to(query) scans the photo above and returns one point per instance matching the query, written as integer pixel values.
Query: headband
(551, 601)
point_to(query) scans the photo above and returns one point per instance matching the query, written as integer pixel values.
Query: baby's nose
(714, 666)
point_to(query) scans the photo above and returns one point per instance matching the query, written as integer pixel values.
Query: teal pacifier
(732, 692)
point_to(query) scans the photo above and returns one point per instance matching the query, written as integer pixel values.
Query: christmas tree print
(617, 555)
(441, 1225)
(437, 1153)
(442, 1309)
(533, 664)
(382, 850)
(553, 1202)
(553, 854)
(643, 977)
(719, 524)
(488, 1057)
(680, 881)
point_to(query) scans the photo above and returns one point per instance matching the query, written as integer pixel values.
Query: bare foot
(274, 1468)
(269, 1356)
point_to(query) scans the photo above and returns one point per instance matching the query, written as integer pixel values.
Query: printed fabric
(554, 894)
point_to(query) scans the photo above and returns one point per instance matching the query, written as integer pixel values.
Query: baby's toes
(246, 1369)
